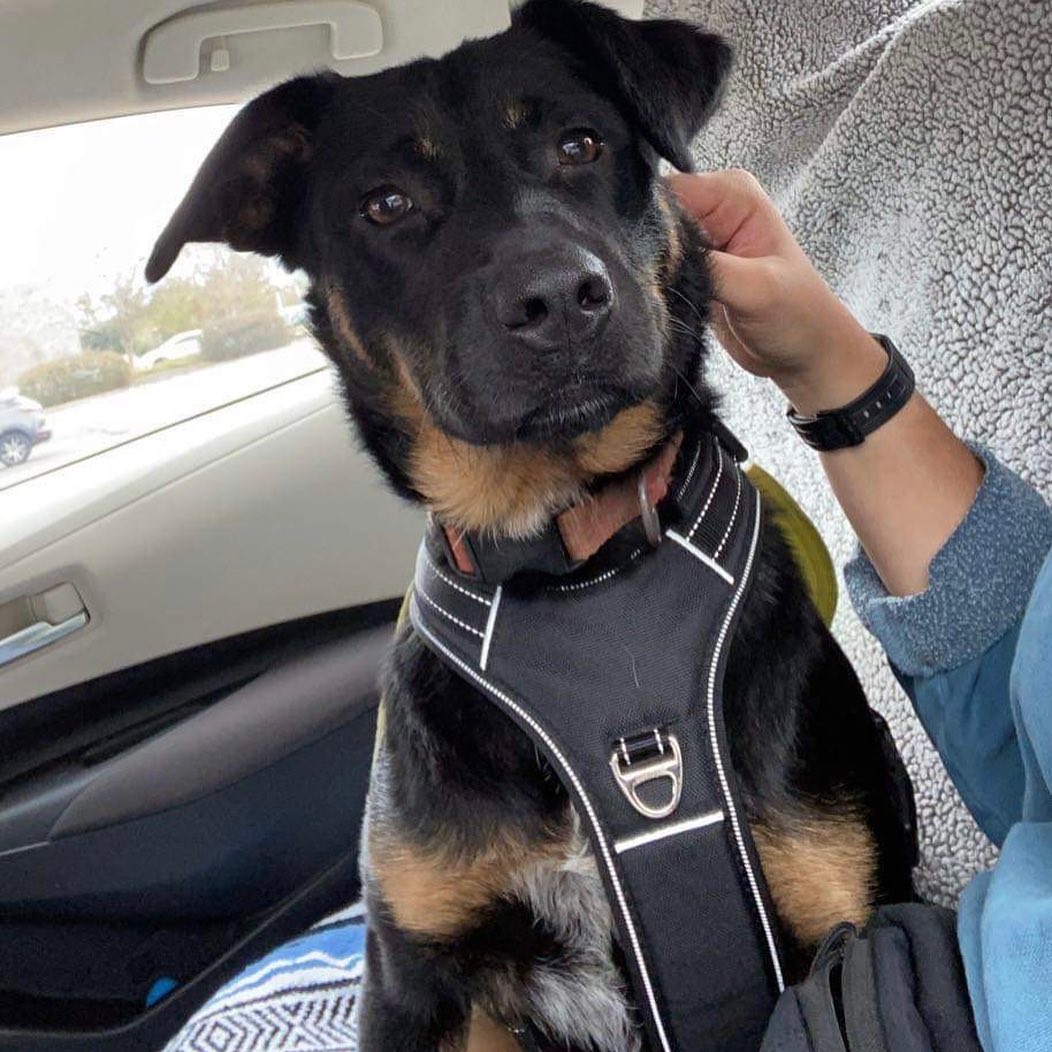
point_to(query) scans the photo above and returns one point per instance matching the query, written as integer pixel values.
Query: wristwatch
(848, 426)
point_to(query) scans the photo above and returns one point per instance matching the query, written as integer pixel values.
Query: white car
(22, 426)
(181, 345)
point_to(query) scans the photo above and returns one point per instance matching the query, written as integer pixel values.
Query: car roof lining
(66, 61)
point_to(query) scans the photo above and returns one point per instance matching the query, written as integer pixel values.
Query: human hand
(774, 314)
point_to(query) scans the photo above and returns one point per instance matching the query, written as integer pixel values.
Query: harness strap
(617, 678)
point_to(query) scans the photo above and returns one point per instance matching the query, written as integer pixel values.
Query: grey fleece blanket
(908, 144)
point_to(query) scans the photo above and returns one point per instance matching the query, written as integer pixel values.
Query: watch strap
(849, 425)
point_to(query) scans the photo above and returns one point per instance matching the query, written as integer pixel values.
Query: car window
(90, 355)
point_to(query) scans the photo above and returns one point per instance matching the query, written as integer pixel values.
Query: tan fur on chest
(821, 870)
(438, 894)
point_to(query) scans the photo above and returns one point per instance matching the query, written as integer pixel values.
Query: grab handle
(172, 51)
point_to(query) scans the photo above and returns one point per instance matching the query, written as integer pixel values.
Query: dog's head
(489, 246)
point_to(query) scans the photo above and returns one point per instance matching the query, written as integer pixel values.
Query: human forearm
(909, 484)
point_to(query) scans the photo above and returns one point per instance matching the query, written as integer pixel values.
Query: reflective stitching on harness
(672, 829)
(700, 556)
(608, 860)
(491, 623)
(453, 584)
(690, 473)
(712, 493)
(714, 742)
(446, 614)
(599, 578)
(734, 515)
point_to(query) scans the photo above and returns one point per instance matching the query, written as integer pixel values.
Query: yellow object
(809, 550)
(381, 713)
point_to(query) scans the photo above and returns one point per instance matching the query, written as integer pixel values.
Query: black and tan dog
(516, 310)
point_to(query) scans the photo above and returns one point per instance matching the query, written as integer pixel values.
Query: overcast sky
(84, 202)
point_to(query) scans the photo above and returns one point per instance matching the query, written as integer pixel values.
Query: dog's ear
(249, 192)
(667, 74)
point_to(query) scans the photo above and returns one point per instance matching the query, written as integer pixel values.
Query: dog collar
(638, 503)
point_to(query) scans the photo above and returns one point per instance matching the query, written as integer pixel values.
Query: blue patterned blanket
(301, 997)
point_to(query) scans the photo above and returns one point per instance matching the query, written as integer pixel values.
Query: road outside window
(92, 357)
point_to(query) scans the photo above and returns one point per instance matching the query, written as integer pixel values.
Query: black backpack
(896, 986)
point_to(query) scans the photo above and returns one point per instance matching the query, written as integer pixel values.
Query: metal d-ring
(647, 512)
(667, 765)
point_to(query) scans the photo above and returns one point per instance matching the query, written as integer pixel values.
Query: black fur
(290, 178)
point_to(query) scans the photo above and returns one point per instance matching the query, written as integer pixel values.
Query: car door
(198, 579)
(199, 570)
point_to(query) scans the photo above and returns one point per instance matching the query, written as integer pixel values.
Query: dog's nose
(549, 303)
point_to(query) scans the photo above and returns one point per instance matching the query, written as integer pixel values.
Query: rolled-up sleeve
(952, 646)
(979, 582)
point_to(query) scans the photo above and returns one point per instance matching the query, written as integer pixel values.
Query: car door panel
(256, 513)
(179, 819)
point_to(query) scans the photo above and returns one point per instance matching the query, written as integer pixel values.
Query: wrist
(847, 363)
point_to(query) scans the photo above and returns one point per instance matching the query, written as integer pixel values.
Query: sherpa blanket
(909, 145)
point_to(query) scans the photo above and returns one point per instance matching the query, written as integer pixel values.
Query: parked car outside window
(177, 348)
(22, 426)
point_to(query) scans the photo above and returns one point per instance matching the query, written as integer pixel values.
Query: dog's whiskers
(685, 330)
(697, 313)
(690, 387)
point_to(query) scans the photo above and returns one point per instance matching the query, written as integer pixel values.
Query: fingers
(734, 212)
(773, 312)
(728, 339)
(747, 287)
(719, 201)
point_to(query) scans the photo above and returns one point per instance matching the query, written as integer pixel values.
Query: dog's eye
(579, 146)
(385, 205)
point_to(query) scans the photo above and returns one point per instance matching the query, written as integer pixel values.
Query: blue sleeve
(968, 716)
(952, 646)
(1005, 918)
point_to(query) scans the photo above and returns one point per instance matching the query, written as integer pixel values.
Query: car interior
(199, 572)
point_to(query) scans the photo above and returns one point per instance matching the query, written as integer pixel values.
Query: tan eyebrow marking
(515, 114)
(426, 147)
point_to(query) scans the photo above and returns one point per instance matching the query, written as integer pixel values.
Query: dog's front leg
(403, 1007)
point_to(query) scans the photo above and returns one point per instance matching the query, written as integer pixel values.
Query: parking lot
(91, 425)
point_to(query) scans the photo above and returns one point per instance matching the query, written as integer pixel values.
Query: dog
(516, 308)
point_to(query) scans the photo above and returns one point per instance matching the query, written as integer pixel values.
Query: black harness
(617, 678)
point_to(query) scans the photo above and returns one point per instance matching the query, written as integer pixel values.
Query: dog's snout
(549, 302)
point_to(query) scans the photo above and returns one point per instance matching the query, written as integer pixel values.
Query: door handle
(41, 634)
(59, 612)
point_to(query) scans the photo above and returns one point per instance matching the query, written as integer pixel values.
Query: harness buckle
(644, 759)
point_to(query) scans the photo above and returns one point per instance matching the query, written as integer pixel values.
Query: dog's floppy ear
(250, 189)
(666, 73)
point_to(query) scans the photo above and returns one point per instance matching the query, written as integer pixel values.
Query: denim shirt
(974, 653)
